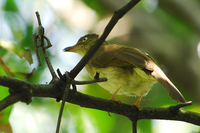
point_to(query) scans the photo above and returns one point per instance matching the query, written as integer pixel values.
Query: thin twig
(89, 81)
(48, 43)
(38, 18)
(40, 29)
(41, 38)
(95, 80)
(49, 64)
(62, 107)
(59, 73)
(36, 48)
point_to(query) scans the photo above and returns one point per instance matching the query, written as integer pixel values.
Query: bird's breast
(133, 81)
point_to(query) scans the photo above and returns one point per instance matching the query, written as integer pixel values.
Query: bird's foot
(137, 105)
(138, 101)
(113, 99)
(113, 96)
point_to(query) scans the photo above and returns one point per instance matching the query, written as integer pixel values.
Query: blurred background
(168, 30)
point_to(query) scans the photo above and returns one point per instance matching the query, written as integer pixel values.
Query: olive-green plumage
(127, 68)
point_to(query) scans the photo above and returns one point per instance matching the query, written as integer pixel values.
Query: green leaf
(95, 5)
(10, 5)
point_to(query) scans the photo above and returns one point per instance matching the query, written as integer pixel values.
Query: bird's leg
(113, 96)
(138, 101)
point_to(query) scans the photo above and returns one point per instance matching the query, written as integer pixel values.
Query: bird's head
(83, 44)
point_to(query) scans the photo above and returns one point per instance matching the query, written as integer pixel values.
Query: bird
(129, 71)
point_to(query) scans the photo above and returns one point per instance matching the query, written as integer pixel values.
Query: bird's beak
(70, 49)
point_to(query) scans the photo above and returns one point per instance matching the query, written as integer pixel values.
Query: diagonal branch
(117, 15)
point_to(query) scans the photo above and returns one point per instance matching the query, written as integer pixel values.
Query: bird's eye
(84, 39)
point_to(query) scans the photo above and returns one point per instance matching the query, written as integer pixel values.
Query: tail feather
(174, 93)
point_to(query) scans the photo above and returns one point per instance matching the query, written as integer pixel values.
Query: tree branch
(56, 90)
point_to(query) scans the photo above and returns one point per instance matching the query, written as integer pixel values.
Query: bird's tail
(171, 89)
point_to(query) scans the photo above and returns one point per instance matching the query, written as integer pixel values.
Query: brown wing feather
(119, 56)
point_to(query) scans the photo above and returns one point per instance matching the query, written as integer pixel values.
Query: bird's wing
(119, 56)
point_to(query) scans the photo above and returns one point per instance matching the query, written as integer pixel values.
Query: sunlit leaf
(20, 51)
